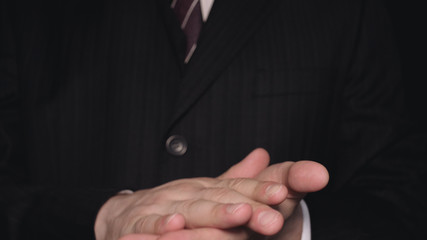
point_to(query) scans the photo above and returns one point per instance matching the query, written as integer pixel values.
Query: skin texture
(250, 199)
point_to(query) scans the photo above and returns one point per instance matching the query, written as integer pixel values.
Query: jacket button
(176, 145)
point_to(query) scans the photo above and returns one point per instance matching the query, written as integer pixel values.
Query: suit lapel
(230, 24)
(176, 35)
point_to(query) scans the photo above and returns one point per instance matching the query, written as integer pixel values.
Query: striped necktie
(190, 16)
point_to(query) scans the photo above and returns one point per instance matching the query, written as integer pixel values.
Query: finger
(205, 213)
(258, 217)
(140, 237)
(207, 234)
(307, 176)
(299, 177)
(266, 222)
(158, 224)
(250, 166)
(269, 193)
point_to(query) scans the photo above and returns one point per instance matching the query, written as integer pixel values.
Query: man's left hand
(299, 177)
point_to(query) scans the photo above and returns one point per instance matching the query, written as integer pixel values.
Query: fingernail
(267, 218)
(273, 189)
(233, 208)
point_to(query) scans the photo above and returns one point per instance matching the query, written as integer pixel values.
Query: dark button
(176, 145)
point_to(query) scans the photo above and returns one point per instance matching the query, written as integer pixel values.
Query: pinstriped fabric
(107, 106)
(88, 103)
(103, 88)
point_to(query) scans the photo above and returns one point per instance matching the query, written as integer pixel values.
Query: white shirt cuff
(306, 227)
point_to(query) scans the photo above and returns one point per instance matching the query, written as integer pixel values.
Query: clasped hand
(232, 206)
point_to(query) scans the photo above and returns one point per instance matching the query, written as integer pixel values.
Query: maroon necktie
(190, 16)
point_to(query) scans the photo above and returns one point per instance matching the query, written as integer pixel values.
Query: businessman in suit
(100, 97)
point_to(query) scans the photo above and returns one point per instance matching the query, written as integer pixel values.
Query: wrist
(105, 212)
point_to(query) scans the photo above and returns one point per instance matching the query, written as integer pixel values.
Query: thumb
(307, 176)
(299, 177)
(250, 166)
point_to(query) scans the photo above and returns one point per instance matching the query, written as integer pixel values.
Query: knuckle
(186, 206)
(219, 194)
(236, 183)
(142, 225)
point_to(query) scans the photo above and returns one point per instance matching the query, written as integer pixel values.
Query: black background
(409, 21)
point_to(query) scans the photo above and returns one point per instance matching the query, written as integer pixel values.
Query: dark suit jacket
(90, 91)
